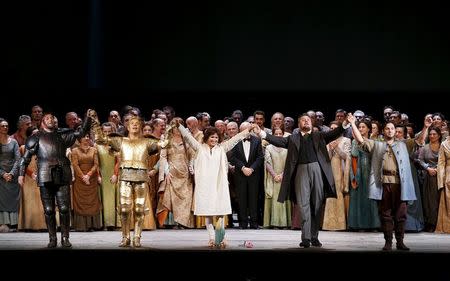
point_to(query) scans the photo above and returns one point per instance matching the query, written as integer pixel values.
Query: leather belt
(390, 173)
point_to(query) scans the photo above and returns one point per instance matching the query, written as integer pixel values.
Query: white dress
(211, 192)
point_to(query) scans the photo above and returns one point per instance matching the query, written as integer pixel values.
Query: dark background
(72, 55)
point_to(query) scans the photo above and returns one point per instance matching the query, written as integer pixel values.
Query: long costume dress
(429, 158)
(109, 191)
(363, 212)
(334, 215)
(276, 214)
(31, 212)
(178, 194)
(86, 197)
(443, 221)
(9, 191)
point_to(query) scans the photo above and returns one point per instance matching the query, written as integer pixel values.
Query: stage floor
(262, 239)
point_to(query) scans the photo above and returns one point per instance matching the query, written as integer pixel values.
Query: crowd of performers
(355, 174)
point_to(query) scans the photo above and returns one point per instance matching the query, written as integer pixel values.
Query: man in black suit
(247, 157)
(308, 177)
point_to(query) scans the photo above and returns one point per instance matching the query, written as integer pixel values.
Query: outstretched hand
(91, 113)
(350, 118)
(255, 128)
(428, 121)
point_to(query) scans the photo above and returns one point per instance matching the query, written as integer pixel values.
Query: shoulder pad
(32, 141)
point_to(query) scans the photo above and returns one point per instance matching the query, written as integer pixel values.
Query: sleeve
(235, 161)
(268, 163)
(278, 141)
(259, 157)
(229, 144)
(367, 145)
(75, 163)
(332, 135)
(189, 138)
(162, 164)
(15, 169)
(31, 147)
(421, 159)
(95, 167)
(441, 168)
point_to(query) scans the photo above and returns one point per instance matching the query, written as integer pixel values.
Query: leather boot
(388, 241)
(399, 234)
(65, 230)
(51, 226)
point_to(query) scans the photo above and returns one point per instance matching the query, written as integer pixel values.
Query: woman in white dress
(211, 194)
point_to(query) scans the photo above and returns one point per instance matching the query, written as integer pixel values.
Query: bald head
(192, 123)
(244, 125)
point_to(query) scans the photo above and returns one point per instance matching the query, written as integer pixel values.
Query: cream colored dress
(335, 215)
(211, 194)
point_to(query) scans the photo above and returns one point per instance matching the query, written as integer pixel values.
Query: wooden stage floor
(275, 252)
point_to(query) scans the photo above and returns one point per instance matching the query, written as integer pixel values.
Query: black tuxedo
(247, 187)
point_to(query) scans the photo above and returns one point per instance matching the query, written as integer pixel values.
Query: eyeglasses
(4, 126)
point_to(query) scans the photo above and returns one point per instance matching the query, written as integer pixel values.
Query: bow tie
(246, 140)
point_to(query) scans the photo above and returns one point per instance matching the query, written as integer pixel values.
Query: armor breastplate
(134, 153)
(51, 153)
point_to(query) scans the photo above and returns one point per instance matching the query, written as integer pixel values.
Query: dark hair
(259, 112)
(439, 114)
(211, 131)
(385, 124)
(200, 115)
(303, 114)
(369, 126)
(438, 131)
(378, 124)
(170, 109)
(405, 130)
(335, 123)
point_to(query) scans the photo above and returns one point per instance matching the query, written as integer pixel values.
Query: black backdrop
(80, 54)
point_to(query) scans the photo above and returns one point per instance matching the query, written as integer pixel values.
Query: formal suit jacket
(255, 158)
(292, 143)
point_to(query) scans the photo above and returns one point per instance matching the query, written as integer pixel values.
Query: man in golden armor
(134, 155)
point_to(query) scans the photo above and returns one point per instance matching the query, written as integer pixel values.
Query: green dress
(108, 190)
(363, 212)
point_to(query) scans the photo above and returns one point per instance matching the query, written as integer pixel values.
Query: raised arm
(276, 141)
(420, 138)
(187, 136)
(358, 137)
(229, 144)
(366, 145)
